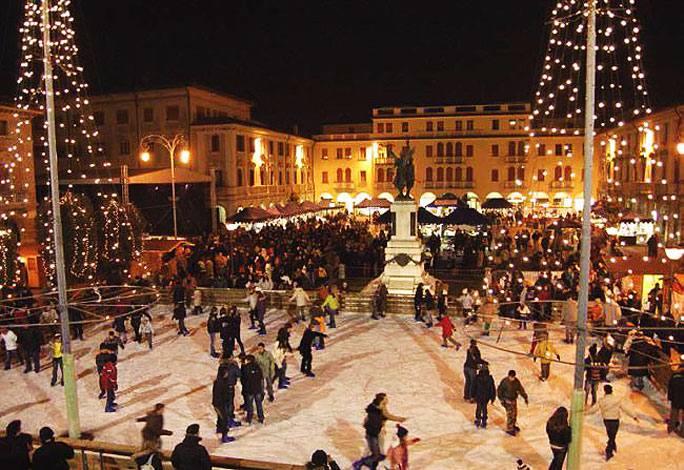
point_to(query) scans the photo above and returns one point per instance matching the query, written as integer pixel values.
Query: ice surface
(424, 382)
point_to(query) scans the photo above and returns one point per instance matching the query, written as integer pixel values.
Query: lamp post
(171, 144)
(674, 254)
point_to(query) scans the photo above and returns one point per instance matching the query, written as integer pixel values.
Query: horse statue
(405, 172)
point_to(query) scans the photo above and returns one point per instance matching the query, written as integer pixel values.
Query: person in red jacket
(108, 383)
(447, 332)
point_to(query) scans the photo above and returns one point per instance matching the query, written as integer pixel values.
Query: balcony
(449, 184)
(561, 184)
(348, 186)
(515, 185)
(516, 158)
(452, 160)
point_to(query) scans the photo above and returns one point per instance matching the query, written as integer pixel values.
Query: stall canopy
(424, 217)
(308, 206)
(376, 203)
(465, 216)
(446, 200)
(497, 203)
(250, 214)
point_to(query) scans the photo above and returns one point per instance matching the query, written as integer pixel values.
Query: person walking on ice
(611, 406)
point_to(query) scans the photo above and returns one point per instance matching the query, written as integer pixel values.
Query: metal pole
(577, 407)
(124, 184)
(69, 373)
(173, 190)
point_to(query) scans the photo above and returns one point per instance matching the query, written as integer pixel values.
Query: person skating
(148, 456)
(190, 454)
(429, 307)
(560, 435)
(398, 455)
(675, 395)
(229, 371)
(331, 306)
(146, 330)
(544, 351)
(30, 340)
(252, 389)
(320, 460)
(280, 351)
(197, 302)
(233, 331)
(219, 400)
(447, 332)
(604, 356)
(51, 455)
(305, 348)
(374, 424)
(103, 356)
(611, 408)
(260, 312)
(472, 362)
(57, 360)
(119, 324)
(9, 339)
(266, 363)
(113, 343)
(15, 447)
(251, 300)
(484, 392)
(179, 314)
(467, 302)
(592, 375)
(154, 426)
(136, 320)
(213, 329)
(301, 300)
(379, 302)
(108, 383)
(418, 302)
(508, 391)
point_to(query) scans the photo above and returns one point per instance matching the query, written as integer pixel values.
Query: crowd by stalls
(311, 252)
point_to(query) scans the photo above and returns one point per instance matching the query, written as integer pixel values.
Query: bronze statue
(405, 173)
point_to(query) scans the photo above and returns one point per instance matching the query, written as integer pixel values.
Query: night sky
(314, 62)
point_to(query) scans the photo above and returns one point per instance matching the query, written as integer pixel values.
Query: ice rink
(424, 382)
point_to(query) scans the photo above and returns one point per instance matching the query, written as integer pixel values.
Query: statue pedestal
(403, 268)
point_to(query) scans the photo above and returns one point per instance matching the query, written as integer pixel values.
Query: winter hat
(46, 434)
(192, 430)
(401, 431)
(319, 458)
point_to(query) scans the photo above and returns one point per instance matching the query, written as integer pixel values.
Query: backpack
(148, 465)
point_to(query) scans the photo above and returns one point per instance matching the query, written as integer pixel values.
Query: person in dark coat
(560, 435)
(639, 352)
(305, 348)
(230, 373)
(484, 391)
(675, 395)
(15, 448)
(103, 356)
(418, 302)
(604, 356)
(213, 328)
(219, 400)
(234, 321)
(190, 454)
(260, 312)
(253, 388)
(30, 340)
(320, 460)
(473, 360)
(52, 455)
(179, 314)
(136, 319)
(154, 426)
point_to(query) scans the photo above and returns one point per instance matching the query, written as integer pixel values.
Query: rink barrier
(96, 455)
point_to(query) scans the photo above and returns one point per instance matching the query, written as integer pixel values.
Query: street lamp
(674, 254)
(680, 148)
(172, 145)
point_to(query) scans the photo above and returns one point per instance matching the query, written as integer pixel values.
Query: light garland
(9, 266)
(558, 105)
(122, 229)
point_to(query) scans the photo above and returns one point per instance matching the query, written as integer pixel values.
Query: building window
(215, 143)
(459, 125)
(348, 152)
(251, 177)
(521, 174)
(495, 124)
(347, 175)
(362, 154)
(98, 117)
(511, 173)
(428, 150)
(281, 148)
(218, 178)
(390, 175)
(559, 150)
(388, 127)
(459, 174)
(3, 128)
(124, 147)
(287, 176)
(440, 126)
(122, 116)
(558, 173)
(541, 150)
(469, 174)
(324, 153)
(324, 178)
(449, 149)
(340, 153)
(440, 174)
(294, 175)
(287, 150)
(428, 126)
(440, 149)
(495, 176)
(540, 175)
(428, 174)
(339, 175)
(362, 177)
(381, 127)
(450, 173)
(511, 149)
(469, 150)
(251, 145)
(404, 127)
(458, 150)
(172, 113)
(470, 125)
(381, 175)
(495, 150)
(521, 148)
(240, 142)
(568, 150)
(270, 147)
(201, 112)
(280, 177)
(568, 173)
(148, 114)
(239, 177)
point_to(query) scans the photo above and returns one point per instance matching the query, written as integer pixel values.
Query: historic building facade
(481, 151)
